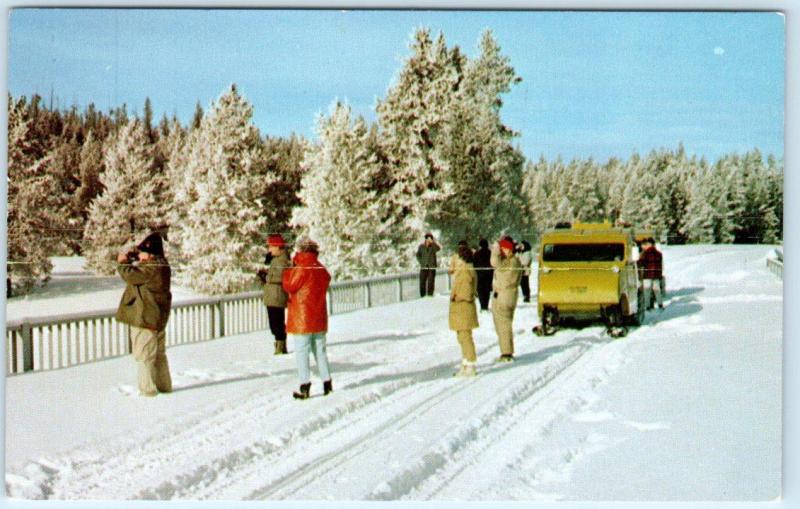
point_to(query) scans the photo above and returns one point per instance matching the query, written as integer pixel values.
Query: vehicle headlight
(615, 269)
(546, 269)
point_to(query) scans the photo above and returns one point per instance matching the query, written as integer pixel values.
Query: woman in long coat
(463, 312)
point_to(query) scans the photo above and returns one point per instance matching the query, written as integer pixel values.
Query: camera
(132, 255)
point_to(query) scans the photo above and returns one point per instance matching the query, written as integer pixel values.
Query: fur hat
(305, 244)
(152, 244)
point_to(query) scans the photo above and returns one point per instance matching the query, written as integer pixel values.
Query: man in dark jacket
(483, 266)
(426, 256)
(274, 294)
(145, 306)
(650, 265)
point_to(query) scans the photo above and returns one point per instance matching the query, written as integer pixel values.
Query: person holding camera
(274, 295)
(145, 306)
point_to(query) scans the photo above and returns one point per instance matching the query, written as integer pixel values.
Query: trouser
(525, 283)
(503, 319)
(149, 350)
(427, 280)
(304, 344)
(467, 345)
(277, 322)
(484, 287)
(655, 286)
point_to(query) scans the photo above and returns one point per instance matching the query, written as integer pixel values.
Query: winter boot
(467, 369)
(280, 347)
(305, 390)
(327, 387)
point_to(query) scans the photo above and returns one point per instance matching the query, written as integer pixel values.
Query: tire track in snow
(302, 480)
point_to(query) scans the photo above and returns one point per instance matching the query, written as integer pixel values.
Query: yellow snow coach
(588, 271)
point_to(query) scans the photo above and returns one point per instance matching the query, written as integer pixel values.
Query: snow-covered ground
(687, 407)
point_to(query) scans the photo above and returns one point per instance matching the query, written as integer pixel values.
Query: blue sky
(594, 84)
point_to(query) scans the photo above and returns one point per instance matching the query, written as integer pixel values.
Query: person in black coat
(485, 272)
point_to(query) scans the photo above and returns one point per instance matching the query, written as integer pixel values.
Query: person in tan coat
(274, 295)
(145, 306)
(505, 284)
(463, 312)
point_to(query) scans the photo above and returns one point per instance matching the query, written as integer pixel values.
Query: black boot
(327, 387)
(304, 393)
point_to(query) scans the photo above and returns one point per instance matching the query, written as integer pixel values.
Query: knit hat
(152, 244)
(276, 240)
(305, 244)
(506, 244)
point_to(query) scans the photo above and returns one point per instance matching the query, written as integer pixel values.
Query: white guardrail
(775, 266)
(35, 344)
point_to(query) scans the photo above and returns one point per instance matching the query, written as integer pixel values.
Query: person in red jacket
(306, 283)
(651, 265)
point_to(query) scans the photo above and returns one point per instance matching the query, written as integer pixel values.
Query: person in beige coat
(274, 295)
(145, 306)
(463, 312)
(505, 287)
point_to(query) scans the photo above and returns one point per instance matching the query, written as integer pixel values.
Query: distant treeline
(438, 158)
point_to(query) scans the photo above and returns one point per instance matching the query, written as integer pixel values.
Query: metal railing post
(27, 347)
(220, 305)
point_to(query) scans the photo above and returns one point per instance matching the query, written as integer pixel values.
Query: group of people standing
(294, 292)
(485, 272)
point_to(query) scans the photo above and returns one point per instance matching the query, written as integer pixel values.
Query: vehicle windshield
(584, 252)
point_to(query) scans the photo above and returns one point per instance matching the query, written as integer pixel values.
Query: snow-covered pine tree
(223, 230)
(341, 205)
(701, 217)
(91, 166)
(540, 213)
(282, 158)
(129, 204)
(564, 210)
(411, 118)
(483, 165)
(617, 181)
(180, 190)
(584, 192)
(32, 206)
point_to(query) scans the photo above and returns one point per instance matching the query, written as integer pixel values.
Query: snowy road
(686, 407)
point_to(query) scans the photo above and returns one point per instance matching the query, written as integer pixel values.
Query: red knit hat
(507, 244)
(276, 240)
